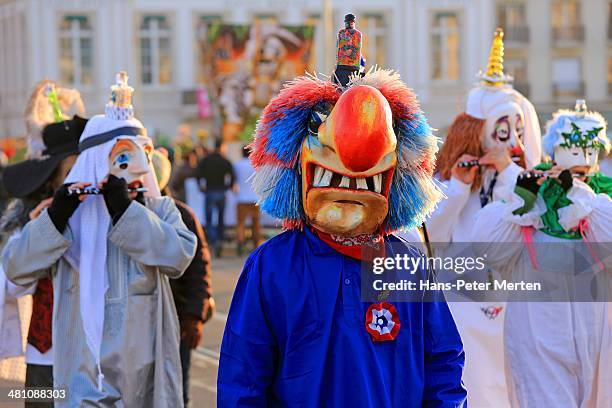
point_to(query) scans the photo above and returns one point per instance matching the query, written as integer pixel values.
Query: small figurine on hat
(349, 51)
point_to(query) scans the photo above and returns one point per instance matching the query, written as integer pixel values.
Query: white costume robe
(482, 333)
(140, 348)
(558, 354)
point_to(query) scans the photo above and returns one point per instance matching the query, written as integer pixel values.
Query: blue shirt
(295, 336)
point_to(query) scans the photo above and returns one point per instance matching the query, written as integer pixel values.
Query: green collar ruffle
(555, 198)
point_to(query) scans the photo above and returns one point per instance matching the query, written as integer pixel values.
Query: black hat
(61, 140)
(349, 17)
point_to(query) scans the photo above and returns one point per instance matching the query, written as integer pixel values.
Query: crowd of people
(206, 179)
(119, 266)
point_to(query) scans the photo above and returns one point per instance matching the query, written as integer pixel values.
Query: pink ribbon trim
(528, 237)
(583, 227)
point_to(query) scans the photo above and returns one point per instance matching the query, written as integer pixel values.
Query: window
(266, 18)
(374, 47)
(155, 58)
(76, 50)
(566, 21)
(512, 18)
(445, 47)
(567, 77)
(517, 67)
(565, 13)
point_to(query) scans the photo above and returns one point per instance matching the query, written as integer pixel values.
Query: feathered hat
(49, 103)
(52, 137)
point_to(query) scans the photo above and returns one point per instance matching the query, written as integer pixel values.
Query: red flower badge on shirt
(382, 321)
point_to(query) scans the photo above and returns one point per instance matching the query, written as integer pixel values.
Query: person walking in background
(215, 175)
(192, 292)
(246, 202)
(181, 172)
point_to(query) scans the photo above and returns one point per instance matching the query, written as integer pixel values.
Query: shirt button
(347, 281)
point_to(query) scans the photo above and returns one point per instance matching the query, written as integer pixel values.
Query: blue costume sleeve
(248, 351)
(444, 357)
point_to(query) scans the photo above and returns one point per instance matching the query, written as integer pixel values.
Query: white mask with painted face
(579, 143)
(130, 159)
(504, 128)
(510, 122)
(576, 157)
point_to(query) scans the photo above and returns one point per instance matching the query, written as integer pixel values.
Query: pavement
(205, 359)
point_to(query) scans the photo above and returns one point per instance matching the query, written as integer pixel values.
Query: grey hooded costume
(140, 347)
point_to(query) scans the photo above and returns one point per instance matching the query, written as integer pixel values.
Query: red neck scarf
(39, 334)
(362, 247)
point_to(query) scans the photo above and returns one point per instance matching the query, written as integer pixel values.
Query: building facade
(557, 50)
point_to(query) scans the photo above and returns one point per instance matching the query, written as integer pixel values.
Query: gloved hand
(527, 187)
(115, 192)
(528, 182)
(191, 330)
(566, 180)
(63, 206)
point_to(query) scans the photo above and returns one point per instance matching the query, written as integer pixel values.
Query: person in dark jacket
(31, 183)
(216, 175)
(193, 290)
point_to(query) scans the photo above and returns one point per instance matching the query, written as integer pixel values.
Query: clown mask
(504, 128)
(130, 159)
(348, 160)
(579, 145)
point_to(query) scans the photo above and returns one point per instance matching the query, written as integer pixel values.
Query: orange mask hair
(463, 137)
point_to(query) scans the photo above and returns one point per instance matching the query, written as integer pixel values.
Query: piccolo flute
(95, 191)
(470, 163)
(549, 174)
(475, 162)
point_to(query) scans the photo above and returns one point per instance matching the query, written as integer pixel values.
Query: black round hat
(61, 140)
(349, 17)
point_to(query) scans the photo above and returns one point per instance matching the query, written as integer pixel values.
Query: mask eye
(318, 115)
(122, 160)
(502, 134)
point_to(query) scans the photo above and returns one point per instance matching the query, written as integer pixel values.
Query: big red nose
(362, 128)
(516, 150)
